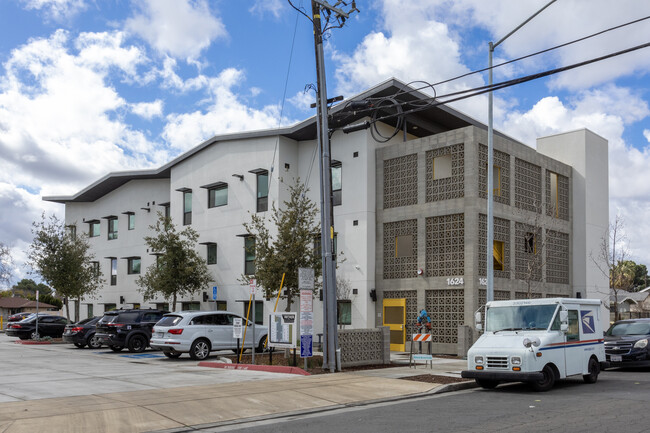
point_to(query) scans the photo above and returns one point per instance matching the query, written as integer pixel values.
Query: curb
(252, 367)
(29, 342)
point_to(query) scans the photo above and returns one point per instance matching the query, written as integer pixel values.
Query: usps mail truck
(537, 341)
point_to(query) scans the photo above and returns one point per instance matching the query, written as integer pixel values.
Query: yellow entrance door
(395, 318)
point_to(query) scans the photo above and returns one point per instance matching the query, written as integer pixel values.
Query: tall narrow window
(344, 312)
(497, 256)
(131, 217)
(166, 212)
(496, 185)
(262, 191)
(112, 229)
(212, 254)
(259, 312)
(93, 229)
(530, 243)
(113, 271)
(134, 265)
(72, 229)
(90, 310)
(441, 167)
(95, 267)
(187, 207)
(404, 246)
(218, 196)
(336, 183)
(249, 255)
(553, 200)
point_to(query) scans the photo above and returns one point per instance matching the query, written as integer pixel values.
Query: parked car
(19, 316)
(127, 328)
(82, 333)
(48, 326)
(200, 332)
(626, 343)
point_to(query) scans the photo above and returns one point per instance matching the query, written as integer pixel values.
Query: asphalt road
(618, 402)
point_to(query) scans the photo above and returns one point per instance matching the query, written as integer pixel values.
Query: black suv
(127, 328)
(626, 343)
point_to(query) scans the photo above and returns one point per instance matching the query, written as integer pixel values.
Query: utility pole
(327, 221)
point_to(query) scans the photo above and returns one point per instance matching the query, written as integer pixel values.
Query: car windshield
(629, 328)
(516, 317)
(169, 320)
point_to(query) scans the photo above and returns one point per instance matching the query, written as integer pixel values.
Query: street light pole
(490, 181)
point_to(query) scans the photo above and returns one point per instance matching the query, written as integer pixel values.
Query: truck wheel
(487, 383)
(547, 382)
(594, 371)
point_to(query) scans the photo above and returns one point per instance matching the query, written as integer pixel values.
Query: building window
(530, 243)
(163, 306)
(113, 271)
(212, 254)
(95, 268)
(90, 310)
(110, 307)
(496, 185)
(497, 255)
(404, 246)
(336, 183)
(222, 306)
(187, 207)
(131, 217)
(441, 167)
(555, 205)
(218, 196)
(136, 305)
(191, 306)
(249, 255)
(134, 265)
(318, 251)
(93, 229)
(72, 230)
(259, 312)
(166, 210)
(344, 312)
(262, 191)
(112, 229)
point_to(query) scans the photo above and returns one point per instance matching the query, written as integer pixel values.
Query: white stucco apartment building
(215, 187)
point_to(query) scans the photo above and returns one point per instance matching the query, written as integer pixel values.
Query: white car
(200, 332)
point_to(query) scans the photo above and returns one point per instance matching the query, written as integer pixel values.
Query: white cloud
(303, 100)
(226, 113)
(274, 7)
(148, 110)
(180, 28)
(646, 134)
(56, 10)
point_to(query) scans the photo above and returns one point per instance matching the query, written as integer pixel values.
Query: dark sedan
(82, 333)
(48, 326)
(626, 343)
(19, 316)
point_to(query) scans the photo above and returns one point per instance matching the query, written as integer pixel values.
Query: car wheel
(547, 382)
(200, 350)
(79, 345)
(137, 344)
(171, 354)
(594, 371)
(93, 342)
(116, 348)
(487, 383)
(260, 347)
(34, 335)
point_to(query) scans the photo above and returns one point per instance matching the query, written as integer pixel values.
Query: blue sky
(88, 87)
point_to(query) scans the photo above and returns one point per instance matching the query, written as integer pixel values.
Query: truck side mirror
(564, 320)
(477, 320)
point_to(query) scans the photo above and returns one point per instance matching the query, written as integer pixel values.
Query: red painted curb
(32, 342)
(269, 368)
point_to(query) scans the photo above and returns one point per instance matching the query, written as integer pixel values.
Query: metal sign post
(37, 314)
(253, 284)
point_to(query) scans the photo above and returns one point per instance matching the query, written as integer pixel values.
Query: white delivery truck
(537, 341)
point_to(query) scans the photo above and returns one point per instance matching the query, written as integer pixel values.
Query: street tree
(288, 250)
(531, 246)
(610, 260)
(6, 264)
(179, 270)
(64, 261)
(27, 287)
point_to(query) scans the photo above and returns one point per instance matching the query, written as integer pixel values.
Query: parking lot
(32, 372)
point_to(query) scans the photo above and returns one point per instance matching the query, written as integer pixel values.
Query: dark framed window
(249, 255)
(166, 210)
(109, 307)
(93, 229)
(336, 183)
(259, 312)
(90, 310)
(131, 217)
(95, 267)
(530, 243)
(187, 207)
(344, 312)
(212, 254)
(113, 271)
(262, 191)
(134, 265)
(218, 196)
(72, 230)
(318, 248)
(498, 256)
(112, 229)
(191, 306)
(222, 306)
(164, 306)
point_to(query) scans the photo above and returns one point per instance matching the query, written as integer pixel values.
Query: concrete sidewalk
(178, 409)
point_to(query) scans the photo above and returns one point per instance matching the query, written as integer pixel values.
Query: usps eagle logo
(588, 326)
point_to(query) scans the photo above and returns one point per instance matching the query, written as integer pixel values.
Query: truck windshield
(516, 317)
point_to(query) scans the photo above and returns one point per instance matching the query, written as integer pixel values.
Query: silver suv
(200, 332)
